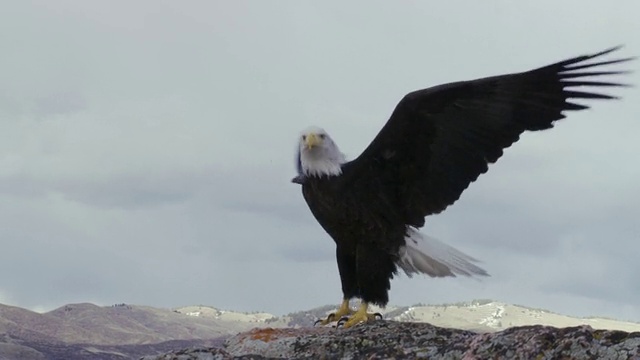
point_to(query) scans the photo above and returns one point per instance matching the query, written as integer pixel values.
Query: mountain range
(123, 331)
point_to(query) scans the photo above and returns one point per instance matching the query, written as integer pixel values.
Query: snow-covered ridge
(482, 315)
(487, 315)
(478, 315)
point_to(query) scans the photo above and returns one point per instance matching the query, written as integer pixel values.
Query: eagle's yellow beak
(311, 140)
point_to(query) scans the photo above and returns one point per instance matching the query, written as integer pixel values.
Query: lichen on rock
(409, 340)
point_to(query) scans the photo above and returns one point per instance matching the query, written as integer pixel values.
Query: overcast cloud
(146, 150)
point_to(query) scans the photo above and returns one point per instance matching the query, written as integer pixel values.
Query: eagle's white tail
(427, 255)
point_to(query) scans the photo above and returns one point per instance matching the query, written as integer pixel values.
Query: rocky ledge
(405, 340)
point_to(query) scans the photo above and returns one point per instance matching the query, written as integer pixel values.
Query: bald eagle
(437, 141)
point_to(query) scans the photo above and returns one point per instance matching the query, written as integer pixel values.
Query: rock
(405, 340)
(192, 354)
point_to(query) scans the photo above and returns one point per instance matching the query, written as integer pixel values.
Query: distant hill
(81, 331)
(122, 331)
(484, 315)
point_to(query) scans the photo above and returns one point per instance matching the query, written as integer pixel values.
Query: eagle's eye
(322, 136)
(304, 137)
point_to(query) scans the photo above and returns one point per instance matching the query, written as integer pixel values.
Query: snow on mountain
(478, 315)
(488, 315)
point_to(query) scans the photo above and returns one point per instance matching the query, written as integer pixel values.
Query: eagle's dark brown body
(366, 243)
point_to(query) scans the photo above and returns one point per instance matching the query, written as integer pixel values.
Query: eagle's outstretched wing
(439, 140)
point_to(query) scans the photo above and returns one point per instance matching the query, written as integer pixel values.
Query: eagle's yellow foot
(361, 316)
(344, 310)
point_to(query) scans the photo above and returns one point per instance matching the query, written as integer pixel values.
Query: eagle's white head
(318, 155)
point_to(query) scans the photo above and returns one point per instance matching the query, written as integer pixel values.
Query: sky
(147, 147)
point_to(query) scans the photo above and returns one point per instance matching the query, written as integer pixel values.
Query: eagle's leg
(344, 310)
(361, 316)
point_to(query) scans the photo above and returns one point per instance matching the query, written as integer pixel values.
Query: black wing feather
(439, 140)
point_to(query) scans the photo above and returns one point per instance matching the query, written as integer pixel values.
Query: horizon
(467, 303)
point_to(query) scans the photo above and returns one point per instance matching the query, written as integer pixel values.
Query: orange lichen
(265, 334)
(270, 334)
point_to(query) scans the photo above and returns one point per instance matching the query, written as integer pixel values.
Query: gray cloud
(146, 151)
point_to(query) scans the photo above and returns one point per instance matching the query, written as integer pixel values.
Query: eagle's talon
(342, 320)
(343, 311)
(330, 318)
(361, 316)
